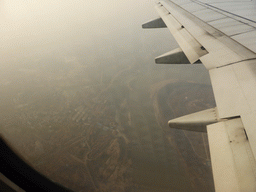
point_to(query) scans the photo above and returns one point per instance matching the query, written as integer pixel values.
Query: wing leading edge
(221, 40)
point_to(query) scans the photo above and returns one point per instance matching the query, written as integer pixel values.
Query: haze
(29, 27)
(79, 83)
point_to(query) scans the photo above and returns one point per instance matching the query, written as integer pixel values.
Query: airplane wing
(222, 36)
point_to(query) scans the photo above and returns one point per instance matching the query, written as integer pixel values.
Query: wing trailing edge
(230, 58)
(190, 46)
(233, 162)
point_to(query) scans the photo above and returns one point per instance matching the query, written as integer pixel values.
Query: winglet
(195, 121)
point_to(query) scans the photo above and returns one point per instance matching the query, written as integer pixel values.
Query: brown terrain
(107, 133)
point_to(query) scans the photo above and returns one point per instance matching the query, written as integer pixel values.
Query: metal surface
(236, 29)
(225, 22)
(228, 35)
(195, 121)
(249, 122)
(222, 49)
(193, 7)
(209, 15)
(175, 56)
(229, 98)
(234, 88)
(244, 9)
(242, 12)
(247, 39)
(156, 23)
(231, 27)
(188, 43)
(231, 155)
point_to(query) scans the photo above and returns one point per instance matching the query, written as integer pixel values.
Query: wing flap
(222, 50)
(190, 46)
(225, 43)
(232, 159)
(234, 88)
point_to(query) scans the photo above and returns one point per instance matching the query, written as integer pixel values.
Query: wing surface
(222, 35)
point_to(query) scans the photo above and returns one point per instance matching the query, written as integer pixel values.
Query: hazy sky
(102, 28)
(27, 25)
